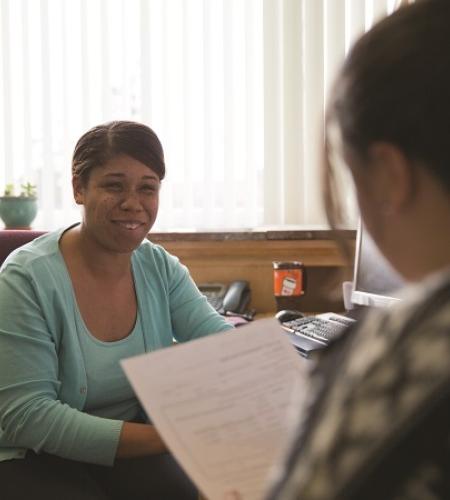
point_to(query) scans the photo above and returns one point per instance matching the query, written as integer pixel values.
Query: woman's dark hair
(395, 87)
(104, 142)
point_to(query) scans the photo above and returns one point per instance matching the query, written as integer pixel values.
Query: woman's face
(120, 203)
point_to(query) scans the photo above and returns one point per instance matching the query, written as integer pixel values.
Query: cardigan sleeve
(31, 414)
(191, 314)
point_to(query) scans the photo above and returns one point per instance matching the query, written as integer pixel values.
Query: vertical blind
(234, 89)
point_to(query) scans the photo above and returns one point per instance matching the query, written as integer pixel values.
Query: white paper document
(223, 404)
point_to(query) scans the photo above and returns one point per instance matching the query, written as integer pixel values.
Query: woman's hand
(137, 440)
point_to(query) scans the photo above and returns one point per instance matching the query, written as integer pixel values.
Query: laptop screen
(375, 282)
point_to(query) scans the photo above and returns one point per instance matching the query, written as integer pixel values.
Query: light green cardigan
(43, 383)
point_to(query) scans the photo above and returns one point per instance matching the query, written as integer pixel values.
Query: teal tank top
(109, 394)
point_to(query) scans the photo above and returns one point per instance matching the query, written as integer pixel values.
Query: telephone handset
(227, 299)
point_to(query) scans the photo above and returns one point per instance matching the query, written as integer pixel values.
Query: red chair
(10, 239)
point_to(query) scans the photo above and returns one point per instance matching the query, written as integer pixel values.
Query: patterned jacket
(378, 423)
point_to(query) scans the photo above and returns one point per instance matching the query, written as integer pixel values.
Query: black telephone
(233, 298)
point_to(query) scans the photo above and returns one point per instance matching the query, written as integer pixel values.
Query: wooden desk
(226, 257)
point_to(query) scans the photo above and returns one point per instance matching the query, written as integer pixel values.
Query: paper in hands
(221, 404)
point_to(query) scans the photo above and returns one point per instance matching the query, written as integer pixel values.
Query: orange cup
(288, 279)
(289, 284)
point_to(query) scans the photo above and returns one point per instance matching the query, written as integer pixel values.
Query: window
(234, 89)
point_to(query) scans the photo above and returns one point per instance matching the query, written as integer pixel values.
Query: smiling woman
(120, 202)
(74, 303)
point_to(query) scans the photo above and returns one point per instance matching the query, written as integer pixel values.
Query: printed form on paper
(224, 404)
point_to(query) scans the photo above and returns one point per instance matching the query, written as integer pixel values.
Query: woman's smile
(129, 224)
(120, 203)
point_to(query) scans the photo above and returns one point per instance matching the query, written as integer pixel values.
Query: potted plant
(18, 211)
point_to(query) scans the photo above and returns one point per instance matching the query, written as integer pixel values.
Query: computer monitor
(375, 282)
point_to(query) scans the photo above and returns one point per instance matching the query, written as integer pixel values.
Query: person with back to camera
(377, 423)
(73, 304)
